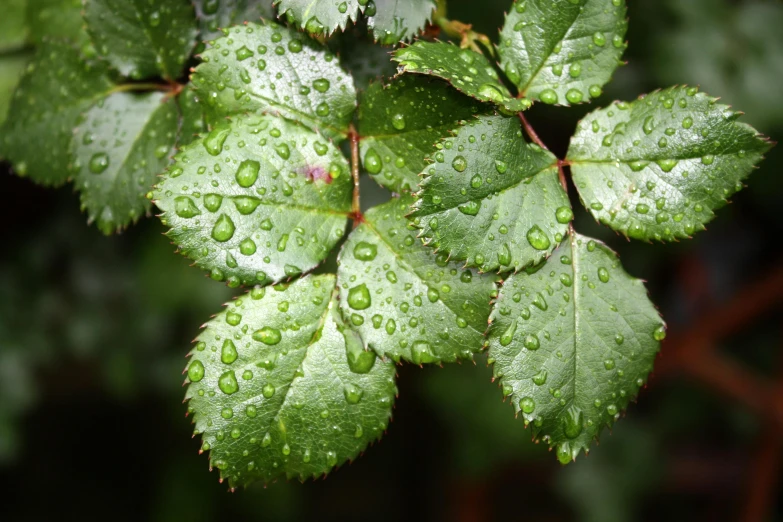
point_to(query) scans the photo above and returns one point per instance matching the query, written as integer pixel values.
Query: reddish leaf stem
(356, 209)
(531, 132)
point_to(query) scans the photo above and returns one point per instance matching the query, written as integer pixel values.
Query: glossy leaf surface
(658, 168)
(562, 51)
(400, 123)
(405, 301)
(257, 200)
(279, 387)
(573, 342)
(467, 70)
(491, 199)
(267, 67)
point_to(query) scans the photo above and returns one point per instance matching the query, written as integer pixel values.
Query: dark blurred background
(94, 331)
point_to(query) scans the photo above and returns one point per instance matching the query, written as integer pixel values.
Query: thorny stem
(356, 209)
(531, 132)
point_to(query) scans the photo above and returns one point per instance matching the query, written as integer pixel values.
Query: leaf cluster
(476, 250)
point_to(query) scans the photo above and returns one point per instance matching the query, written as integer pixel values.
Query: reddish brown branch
(692, 351)
(724, 320)
(561, 174)
(732, 380)
(764, 472)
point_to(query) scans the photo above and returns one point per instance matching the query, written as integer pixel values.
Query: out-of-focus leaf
(58, 85)
(122, 144)
(143, 39)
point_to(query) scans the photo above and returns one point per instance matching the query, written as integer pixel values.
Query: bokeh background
(94, 332)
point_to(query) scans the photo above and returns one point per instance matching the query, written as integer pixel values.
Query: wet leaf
(119, 148)
(572, 343)
(257, 200)
(285, 394)
(658, 167)
(405, 301)
(267, 67)
(562, 52)
(400, 123)
(492, 200)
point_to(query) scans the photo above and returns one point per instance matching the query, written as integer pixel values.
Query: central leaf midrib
(523, 89)
(481, 198)
(306, 347)
(304, 116)
(575, 263)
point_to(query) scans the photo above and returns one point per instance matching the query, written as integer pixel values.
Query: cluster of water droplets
(269, 196)
(535, 321)
(258, 66)
(675, 177)
(489, 176)
(572, 63)
(239, 354)
(406, 300)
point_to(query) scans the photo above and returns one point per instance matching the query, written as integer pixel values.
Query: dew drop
(223, 229)
(359, 297)
(538, 238)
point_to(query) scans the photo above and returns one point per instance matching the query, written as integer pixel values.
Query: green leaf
(394, 21)
(390, 20)
(562, 52)
(573, 342)
(267, 67)
(468, 71)
(56, 19)
(320, 17)
(11, 69)
(405, 301)
(193, 122)
(213, 15)
(492, 199)
(57, 87)
(143, 39)
(119, 148)
(280, 388)
(13, 25)
(257, 200)
(400, 123)
(657, 168)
